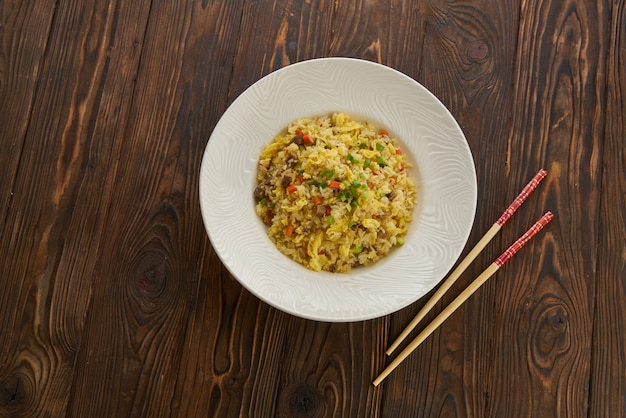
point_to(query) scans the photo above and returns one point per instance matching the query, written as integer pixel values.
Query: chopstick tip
(541, 174)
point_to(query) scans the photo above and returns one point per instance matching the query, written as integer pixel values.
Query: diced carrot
(307, 139)
(334, 184)
(298, 131)
(289, 231)
(327, 210)
(292, 188)
(384, 132)
(398, 151)
(317, 200)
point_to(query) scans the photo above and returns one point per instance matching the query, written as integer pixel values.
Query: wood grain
(235, 340)
(274, 36)
(545, 304)
(365, 30)
(24, 30)
(328, 368)
(608, 365)
(51, 234)
(129, 360)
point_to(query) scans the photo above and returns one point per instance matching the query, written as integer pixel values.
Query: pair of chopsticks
(477, 283)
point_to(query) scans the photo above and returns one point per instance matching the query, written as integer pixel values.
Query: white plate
(429, 135)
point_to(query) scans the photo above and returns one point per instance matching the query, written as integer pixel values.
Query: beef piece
(298, 140)
(259, 193)
(319, 210)
(291, 157)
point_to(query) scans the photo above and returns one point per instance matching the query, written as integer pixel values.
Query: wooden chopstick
(479, 281)
(495, 228)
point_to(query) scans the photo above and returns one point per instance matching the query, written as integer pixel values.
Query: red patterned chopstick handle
(532, 185)
(517, 245)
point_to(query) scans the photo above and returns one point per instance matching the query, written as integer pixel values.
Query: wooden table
(113, 302)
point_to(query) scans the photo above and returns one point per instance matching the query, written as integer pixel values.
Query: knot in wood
(302, 401)
(477, 51)
(17, 395)
(234, 382)
(152, 273)
(551, 337)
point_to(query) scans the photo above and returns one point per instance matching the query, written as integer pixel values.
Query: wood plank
(276, 35)
(544, 312)
(383, 31)
(149, 262)
(235, 347)
(328, 368)
(61, 190)
(24, 31)
(608, 363)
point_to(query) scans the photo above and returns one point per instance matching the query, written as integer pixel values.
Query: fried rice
(334, 193)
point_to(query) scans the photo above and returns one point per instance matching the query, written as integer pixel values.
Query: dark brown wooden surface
(113, 303)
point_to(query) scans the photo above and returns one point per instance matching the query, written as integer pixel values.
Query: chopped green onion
(330, 219)
(352, 159)
(328, 173)
(351, 224)
(367, 162)
(264, 201)
(357, 250)
(362, 145)
(323, 185)
(356, 184)
(379, 147)
(361, 175)
(381, 162)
